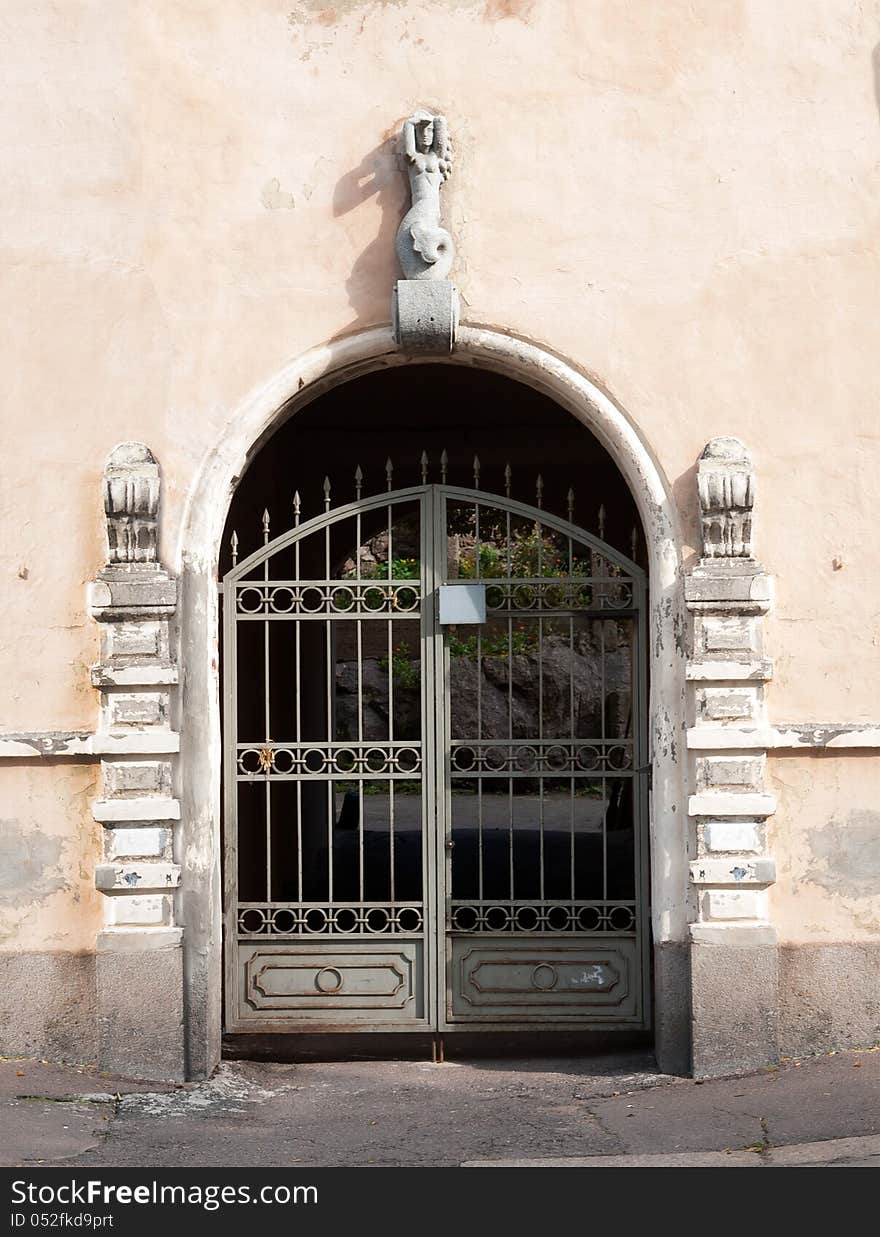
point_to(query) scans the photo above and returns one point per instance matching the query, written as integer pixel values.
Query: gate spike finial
(265, 524)
(233, 541)
(358, 481)
(444, 465)
(297, 508)
(389, 472)
(424, 463)
(508, 476)
(476, 472)
(326, 493)
(602, 522)
(570, 499)
(539, 490)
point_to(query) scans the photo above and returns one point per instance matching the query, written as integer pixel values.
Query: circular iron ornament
(588, 758)
(284, 921)
(252, 921)
(526, 759)
(589, 919)
(374, 599)
(251, 609)
(622, 919)
(277, 600)
(558, 918)
(375, 760)
(284, 760)
(556, 758)
(523, 597)
(618, 757)
(464, 759)
(314, 920)
(328, 980)
(465, 919)
(249, 761)
(405, 599)
(494, 758)
(497, 918)
(345, 760)
(527, 919)
(341, 599)
(408, 919)
(545, 977)
(494, 597)
(376, 919)
(314, 761)
(407, 760)
(618, 597)
(312, 600)
(345, 919)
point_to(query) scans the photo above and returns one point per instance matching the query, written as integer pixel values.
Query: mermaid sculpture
(424, 247)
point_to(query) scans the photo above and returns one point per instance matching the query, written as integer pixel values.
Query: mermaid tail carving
(424, 247)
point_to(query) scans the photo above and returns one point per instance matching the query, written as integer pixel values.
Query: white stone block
(134, 639)
(734, 904)
(721, 704)
(135, 843)
(122, 810)
(724, 771)
(728, 634)
(732, 835)
(149, 909)
(136, 708)
(135, 875)
(730, 803)
(136, 777)
(736, 870)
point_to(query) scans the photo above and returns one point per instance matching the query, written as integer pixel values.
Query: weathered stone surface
(140, 1013)
(47, 1005)
(829, 996)
(735, 999)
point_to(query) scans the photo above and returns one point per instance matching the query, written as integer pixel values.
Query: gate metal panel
(313, 938)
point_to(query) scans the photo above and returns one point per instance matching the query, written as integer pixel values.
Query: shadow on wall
(684, 490)
(376, 268)
(875, 62)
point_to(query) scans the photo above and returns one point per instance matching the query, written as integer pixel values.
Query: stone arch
(300, 382)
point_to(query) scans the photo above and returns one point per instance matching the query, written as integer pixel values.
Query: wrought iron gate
(434, 801)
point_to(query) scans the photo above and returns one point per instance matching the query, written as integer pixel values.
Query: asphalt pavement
(612, 1110)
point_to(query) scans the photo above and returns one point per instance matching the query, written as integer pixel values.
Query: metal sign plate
(462, 603)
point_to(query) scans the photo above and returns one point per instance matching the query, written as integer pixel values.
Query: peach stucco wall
(680, 199)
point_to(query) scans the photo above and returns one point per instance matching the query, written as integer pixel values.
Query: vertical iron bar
(360, 705)
(298, 690)
(390, 695)
(540, 528)
(331, 669)
(267, 710)
(510, 697)
(479, 712)
(604, 750)
(571, 709)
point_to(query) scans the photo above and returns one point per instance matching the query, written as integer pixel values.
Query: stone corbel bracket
(134, 599)
(727, 594)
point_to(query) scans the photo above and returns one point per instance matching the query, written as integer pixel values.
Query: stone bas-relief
(425, 305)
(424, 247)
